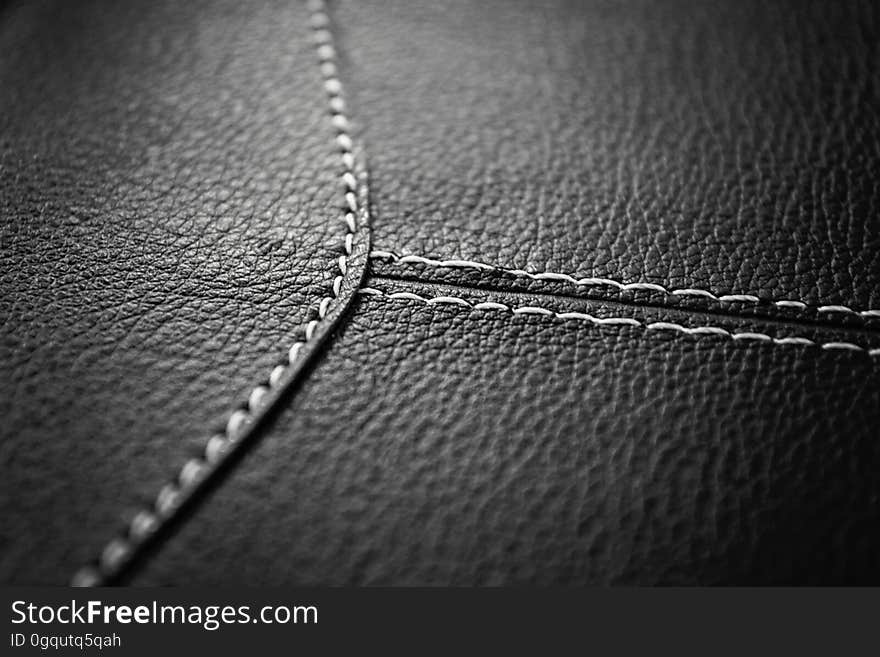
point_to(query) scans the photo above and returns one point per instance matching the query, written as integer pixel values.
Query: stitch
(800, 341)
(337, 105)
(489, 305)
(326, 52)
(707, 330)
(833, 309)
(166, 500)
(236, 423)
(215, 448)
(624, 321)
(750, 298)
(617, 321)
(695, 293)
(255, 401)
(114, 553)
(452, 300)
(293, 353)
(407, 295)
(277, 373)
(576, 315)
(190, 473)
(144, 523)
(763, 337)
(844, 345)
(147, 521)
(532, 310)
(624, 287)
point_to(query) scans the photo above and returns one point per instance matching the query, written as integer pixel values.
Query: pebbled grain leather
(171, 218)
(438, 445)
(727, 146)
(694, 149)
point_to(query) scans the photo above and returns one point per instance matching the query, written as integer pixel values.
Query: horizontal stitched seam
(748, 336)
(622, 306)
(607, 282)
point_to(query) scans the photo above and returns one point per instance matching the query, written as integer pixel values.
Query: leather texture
(619, 327)
(726, 146)
(480, 448)
(170, 199)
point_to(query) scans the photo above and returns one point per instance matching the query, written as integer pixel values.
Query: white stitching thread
(148, 521)
(622, 321)
(607, 282)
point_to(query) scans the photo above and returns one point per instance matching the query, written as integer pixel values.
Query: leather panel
(171, 217)
(442, 445)
(504, 407)
(725, 146)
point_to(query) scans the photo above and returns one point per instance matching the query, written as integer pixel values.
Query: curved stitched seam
(572, 279)
(147, 521)
(698, 331)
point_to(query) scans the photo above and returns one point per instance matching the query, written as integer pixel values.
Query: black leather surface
(705, 149)
(169, 194)
(437, 445)
(728, 146)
